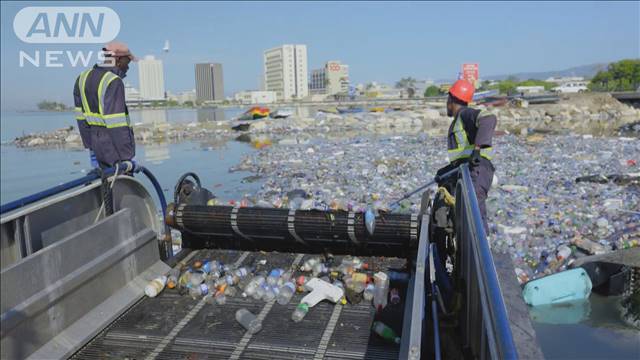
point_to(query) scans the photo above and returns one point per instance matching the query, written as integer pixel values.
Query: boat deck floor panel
(173, 326)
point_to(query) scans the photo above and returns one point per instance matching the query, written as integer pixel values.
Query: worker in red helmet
(469, 141)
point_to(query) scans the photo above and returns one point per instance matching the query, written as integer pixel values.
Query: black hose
(180, 183)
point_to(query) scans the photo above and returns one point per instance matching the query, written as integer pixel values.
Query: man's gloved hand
(475, 158)
(438, 178)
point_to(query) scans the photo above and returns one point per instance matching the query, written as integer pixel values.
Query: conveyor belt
(172, 326)
(303, 231)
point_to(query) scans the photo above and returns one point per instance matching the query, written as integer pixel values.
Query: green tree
(406, 83)
(507, 87)
(623, 75)
(432, 91)
(188, 103)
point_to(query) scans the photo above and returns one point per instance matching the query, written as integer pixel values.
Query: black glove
(438, 178)
(475, 158)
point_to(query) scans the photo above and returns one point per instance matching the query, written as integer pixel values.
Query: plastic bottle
(385, 332)
(381, 291)
(253, 285)
(319, 268)
(213, 274)
(522, 276)
(248, 320)
(272, 279)
(270, 293)
(184, 279)
(172, 278)
(286, 293)
(198, 291)
(261, 291)
(241, 273)
(209, 298)
(300, 312)
(394, 296)
(197, 278)
(286, 276)
(563, 252)
(220, 298)
(155, 286)
(309, 264)
(368, 292)
(232, 279)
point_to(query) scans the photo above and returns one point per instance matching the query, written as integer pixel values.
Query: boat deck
(174, 326)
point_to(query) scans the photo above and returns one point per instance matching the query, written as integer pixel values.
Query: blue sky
(381, 41)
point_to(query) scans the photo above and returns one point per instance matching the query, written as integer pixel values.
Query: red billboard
(470, 73)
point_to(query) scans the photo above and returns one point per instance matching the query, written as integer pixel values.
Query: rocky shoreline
(595, 114)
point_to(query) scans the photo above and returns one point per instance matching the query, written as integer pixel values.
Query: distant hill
(587, 71)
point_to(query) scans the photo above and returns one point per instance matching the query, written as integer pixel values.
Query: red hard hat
(462, 90)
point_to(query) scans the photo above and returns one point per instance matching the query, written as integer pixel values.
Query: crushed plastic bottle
(248, 320)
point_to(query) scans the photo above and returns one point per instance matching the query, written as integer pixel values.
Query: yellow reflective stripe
(94, 119)
(80, 118)
(111, 116)
(116, 120)
(83, 81)
(78, 109)
(102, 88)
(120, 124)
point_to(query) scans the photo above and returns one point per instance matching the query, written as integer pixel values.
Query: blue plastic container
(570, 285)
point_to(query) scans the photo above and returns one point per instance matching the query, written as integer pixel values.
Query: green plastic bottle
(385, 332)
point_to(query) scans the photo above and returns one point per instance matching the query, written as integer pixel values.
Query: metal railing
(483, 318)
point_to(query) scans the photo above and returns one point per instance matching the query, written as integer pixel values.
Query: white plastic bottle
(155, 286)
(381, 291)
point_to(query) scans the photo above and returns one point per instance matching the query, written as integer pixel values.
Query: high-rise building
(151, 76)
(332, 79)
(285, 71)
(209, 82)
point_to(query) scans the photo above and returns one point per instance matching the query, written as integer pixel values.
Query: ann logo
(66, 25)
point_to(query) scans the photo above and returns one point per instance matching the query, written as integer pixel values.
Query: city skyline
(381, 42)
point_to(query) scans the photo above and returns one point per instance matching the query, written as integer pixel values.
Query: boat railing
(486, 332)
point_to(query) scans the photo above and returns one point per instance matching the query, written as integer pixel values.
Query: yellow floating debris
(535, 138)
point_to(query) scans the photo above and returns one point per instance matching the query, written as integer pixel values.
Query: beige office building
(285, 71)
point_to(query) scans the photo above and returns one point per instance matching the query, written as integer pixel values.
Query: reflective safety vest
(99, 118)
(463, 148)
